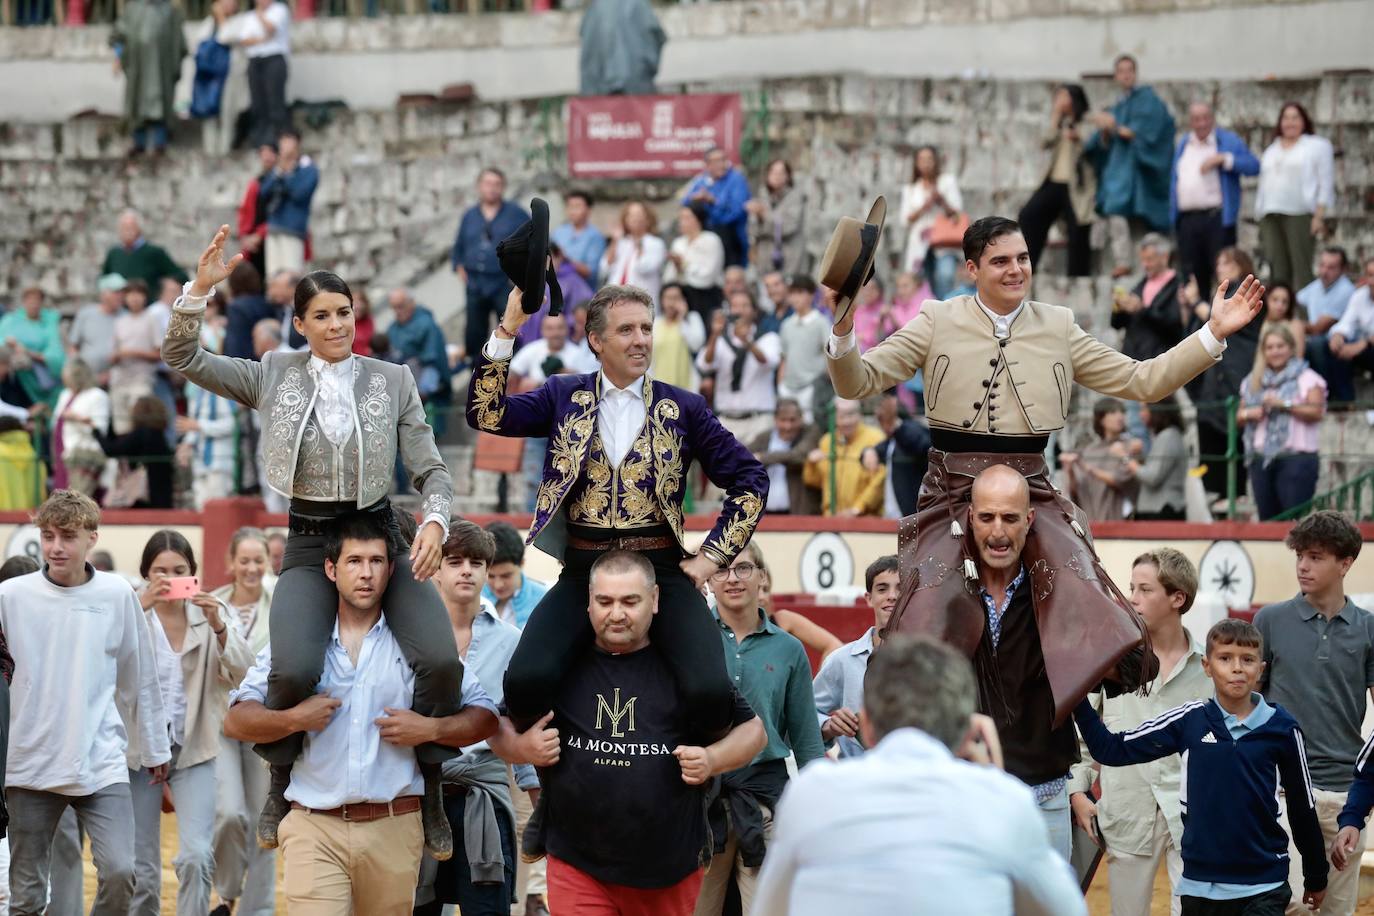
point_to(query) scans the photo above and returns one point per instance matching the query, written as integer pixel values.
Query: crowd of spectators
(740, 318)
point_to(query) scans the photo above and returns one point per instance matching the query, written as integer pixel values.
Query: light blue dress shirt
(348, 761)
(840, 683)
(493, 643)
(1320, 300)
(585, 246)
(1220, 890)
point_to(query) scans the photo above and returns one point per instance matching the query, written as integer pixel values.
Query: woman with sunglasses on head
(333, 424)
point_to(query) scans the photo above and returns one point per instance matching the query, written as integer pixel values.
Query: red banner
(649, 136)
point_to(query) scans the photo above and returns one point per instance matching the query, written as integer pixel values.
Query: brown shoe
(535, 906)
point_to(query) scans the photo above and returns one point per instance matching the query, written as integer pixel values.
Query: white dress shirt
(1196, 189)
(620, 417)
(348, 761)
(907, 828)
(757, 390)
(334, 409)
(248, 25)
(1356, 324)
(779, 497)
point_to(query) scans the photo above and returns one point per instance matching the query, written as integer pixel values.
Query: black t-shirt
(617, 806)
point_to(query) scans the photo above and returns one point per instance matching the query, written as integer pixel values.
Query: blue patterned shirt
(995, 611)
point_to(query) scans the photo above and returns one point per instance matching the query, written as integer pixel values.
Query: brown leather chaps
(1086, 625)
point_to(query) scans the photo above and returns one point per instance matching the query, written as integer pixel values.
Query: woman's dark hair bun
(316, 282)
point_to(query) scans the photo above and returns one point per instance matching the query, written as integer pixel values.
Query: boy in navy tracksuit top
(1236, 750)
(1357, 806)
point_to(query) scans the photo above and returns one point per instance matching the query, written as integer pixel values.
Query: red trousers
(573, 892)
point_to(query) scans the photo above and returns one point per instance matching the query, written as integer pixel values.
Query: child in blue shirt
(1237, 751)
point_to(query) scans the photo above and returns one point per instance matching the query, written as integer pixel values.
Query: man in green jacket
(136, 257)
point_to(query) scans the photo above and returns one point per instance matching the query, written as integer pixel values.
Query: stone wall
(393, 182)
(369, 63)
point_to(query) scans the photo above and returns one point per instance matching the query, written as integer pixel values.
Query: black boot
(532, 840)
(438, 833)
(275, 808)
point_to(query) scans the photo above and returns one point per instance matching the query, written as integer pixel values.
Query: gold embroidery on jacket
(593, 504)
(667, 457)
(489, 395)
(566, 448)
(744, 511)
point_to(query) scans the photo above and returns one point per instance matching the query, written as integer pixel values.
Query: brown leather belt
(368, 811)
(622, 543)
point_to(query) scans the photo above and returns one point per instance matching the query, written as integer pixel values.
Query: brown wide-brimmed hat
(848, 261)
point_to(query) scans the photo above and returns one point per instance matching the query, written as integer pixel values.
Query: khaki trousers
(717, 877)
(1131, 877)
(1342, 887)
(529, 878)
(283, 251)
(335, 867)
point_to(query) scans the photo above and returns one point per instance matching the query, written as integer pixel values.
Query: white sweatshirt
(84, 704)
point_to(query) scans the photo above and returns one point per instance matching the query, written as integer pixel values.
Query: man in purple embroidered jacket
(615, 474)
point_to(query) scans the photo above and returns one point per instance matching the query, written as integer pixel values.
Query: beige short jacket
(1019, 386)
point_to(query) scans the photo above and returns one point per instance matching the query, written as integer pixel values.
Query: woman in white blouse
(696, 259)
(635, 256)
(82, 409)
(1296, 189)
(931, 194)
(200, 656)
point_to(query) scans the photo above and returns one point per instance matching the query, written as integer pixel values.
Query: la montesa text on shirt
(615, 716)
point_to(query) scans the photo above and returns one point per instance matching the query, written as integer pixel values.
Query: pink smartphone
(182, 587)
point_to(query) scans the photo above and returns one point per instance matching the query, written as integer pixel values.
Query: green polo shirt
(771, 670)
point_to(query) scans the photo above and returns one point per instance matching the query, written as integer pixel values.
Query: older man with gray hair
(1204, 192)
(416, 336)
(1149, 313)
(135, 258)
(910, 827)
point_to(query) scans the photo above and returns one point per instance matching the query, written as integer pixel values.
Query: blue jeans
(193, 792)
(532, 467)
(154, 131)
(1056, 813)
(941, 268)
(1288, 481)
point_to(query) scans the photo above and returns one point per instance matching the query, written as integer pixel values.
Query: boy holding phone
(1239, 751)
(1139, 815)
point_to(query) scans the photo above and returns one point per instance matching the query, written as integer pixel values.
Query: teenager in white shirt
(200, 657)
(86, 708)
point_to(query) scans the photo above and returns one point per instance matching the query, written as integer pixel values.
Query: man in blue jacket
(483, 226)
(724, 191)
(1204, 192)
(286, 193)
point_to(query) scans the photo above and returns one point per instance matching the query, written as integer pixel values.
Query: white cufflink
(955, 529)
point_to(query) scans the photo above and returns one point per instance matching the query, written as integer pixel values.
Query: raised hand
(212, 269)
(1230, 315)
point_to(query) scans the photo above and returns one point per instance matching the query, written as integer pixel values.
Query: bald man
(1013, 685)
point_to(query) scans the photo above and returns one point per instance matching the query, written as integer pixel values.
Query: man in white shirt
(1351, 339)
(85, 709)
(532, 366)
(909, 827)
(743, 363)
(353, 839)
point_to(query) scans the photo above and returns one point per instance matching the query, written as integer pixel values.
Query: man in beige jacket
(999, 373)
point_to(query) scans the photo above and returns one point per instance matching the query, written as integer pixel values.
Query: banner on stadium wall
(649, 136)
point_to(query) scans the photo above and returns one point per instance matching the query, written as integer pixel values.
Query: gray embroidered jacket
(299, 459)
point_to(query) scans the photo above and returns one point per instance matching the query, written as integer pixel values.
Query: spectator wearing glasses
(770, 668)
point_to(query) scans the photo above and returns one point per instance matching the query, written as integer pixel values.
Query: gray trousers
(108, 819)
(243, 870)
(193, 793)
(304, 608)
(67, 893)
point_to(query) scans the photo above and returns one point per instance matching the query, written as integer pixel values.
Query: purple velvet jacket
(648, 486)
